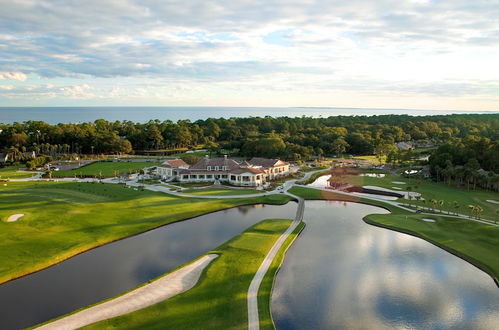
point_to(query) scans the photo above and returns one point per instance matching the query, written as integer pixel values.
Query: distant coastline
(54, 115)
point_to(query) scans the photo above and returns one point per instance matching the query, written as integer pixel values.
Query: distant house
(29, 154)
(253, 173)
(405, 145)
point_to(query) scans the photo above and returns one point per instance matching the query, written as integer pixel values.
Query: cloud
(13, 76)
(429, 43)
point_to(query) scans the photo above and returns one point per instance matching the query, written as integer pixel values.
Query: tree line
(285, 137)
(471, 161)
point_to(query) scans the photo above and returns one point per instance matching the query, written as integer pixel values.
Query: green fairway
(218, 301)
(476, 242)
(222, 192)
(439, 191)
(104, 169)
(63, 219)
(11, 172)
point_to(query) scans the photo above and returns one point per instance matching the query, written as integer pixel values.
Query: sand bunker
(398, 182)
(428, 220)
(15, 217)
(492, 201)
(397, 188)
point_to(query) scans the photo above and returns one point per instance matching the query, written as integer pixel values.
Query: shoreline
(448, 249)
(130, 297)
(68, 255)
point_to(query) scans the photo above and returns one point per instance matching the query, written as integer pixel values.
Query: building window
(224, 176)
(208, 168)
(201, 176)
(216, 168)
(233, 177)
(209, 176)
(185, 176)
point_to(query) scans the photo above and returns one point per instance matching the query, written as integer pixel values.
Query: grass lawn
(193, 184)
(11, 172)
(65, 218)
(106, 169)
(218, 301)
(473, 241)
(222, 192)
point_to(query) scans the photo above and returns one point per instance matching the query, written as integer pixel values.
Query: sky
(412, 54)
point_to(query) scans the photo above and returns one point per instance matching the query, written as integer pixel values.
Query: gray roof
(204, 163)
(266, 162)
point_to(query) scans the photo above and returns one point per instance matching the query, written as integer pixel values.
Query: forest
(460, 137)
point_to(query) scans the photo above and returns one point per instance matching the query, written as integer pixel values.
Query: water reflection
(342, 273)
(114, 268)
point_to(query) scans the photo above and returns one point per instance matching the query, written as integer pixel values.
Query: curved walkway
(252, 296)
(166, 287)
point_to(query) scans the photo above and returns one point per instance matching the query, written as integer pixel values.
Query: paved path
(166, 287)
(252, 296)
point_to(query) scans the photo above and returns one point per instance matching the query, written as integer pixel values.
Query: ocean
(55, 115)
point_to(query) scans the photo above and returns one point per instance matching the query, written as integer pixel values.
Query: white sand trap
(166, 287)
(397, 188)
(15, 217)
(398, 182)
(428, 220)
(492, 201)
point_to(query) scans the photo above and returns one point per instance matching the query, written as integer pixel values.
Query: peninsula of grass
(433, 190)
(219, 299)
(472, 241)
(104, 169)
(62, 219)
(221, 191)
(12, 172)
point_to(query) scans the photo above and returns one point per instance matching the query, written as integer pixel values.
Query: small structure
(4, 157)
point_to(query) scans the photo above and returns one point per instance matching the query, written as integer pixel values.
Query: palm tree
(471, 208)
(433, 202)
(441, 203)
(409, 189)
(456, 207)
(418, 198)
(479, 211)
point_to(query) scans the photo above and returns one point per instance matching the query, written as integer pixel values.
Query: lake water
(54, 115)
(120, 266)
(342, 273)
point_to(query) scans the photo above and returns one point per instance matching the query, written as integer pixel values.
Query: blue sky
(386, 53)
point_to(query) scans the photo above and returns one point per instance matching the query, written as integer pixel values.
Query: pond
(342, 273)
(322, 182)
(120, 266)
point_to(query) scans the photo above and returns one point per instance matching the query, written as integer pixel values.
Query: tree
(339, 146)
(126, 147)
(191, 159)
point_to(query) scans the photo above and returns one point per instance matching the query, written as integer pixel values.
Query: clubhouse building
(252, 173)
